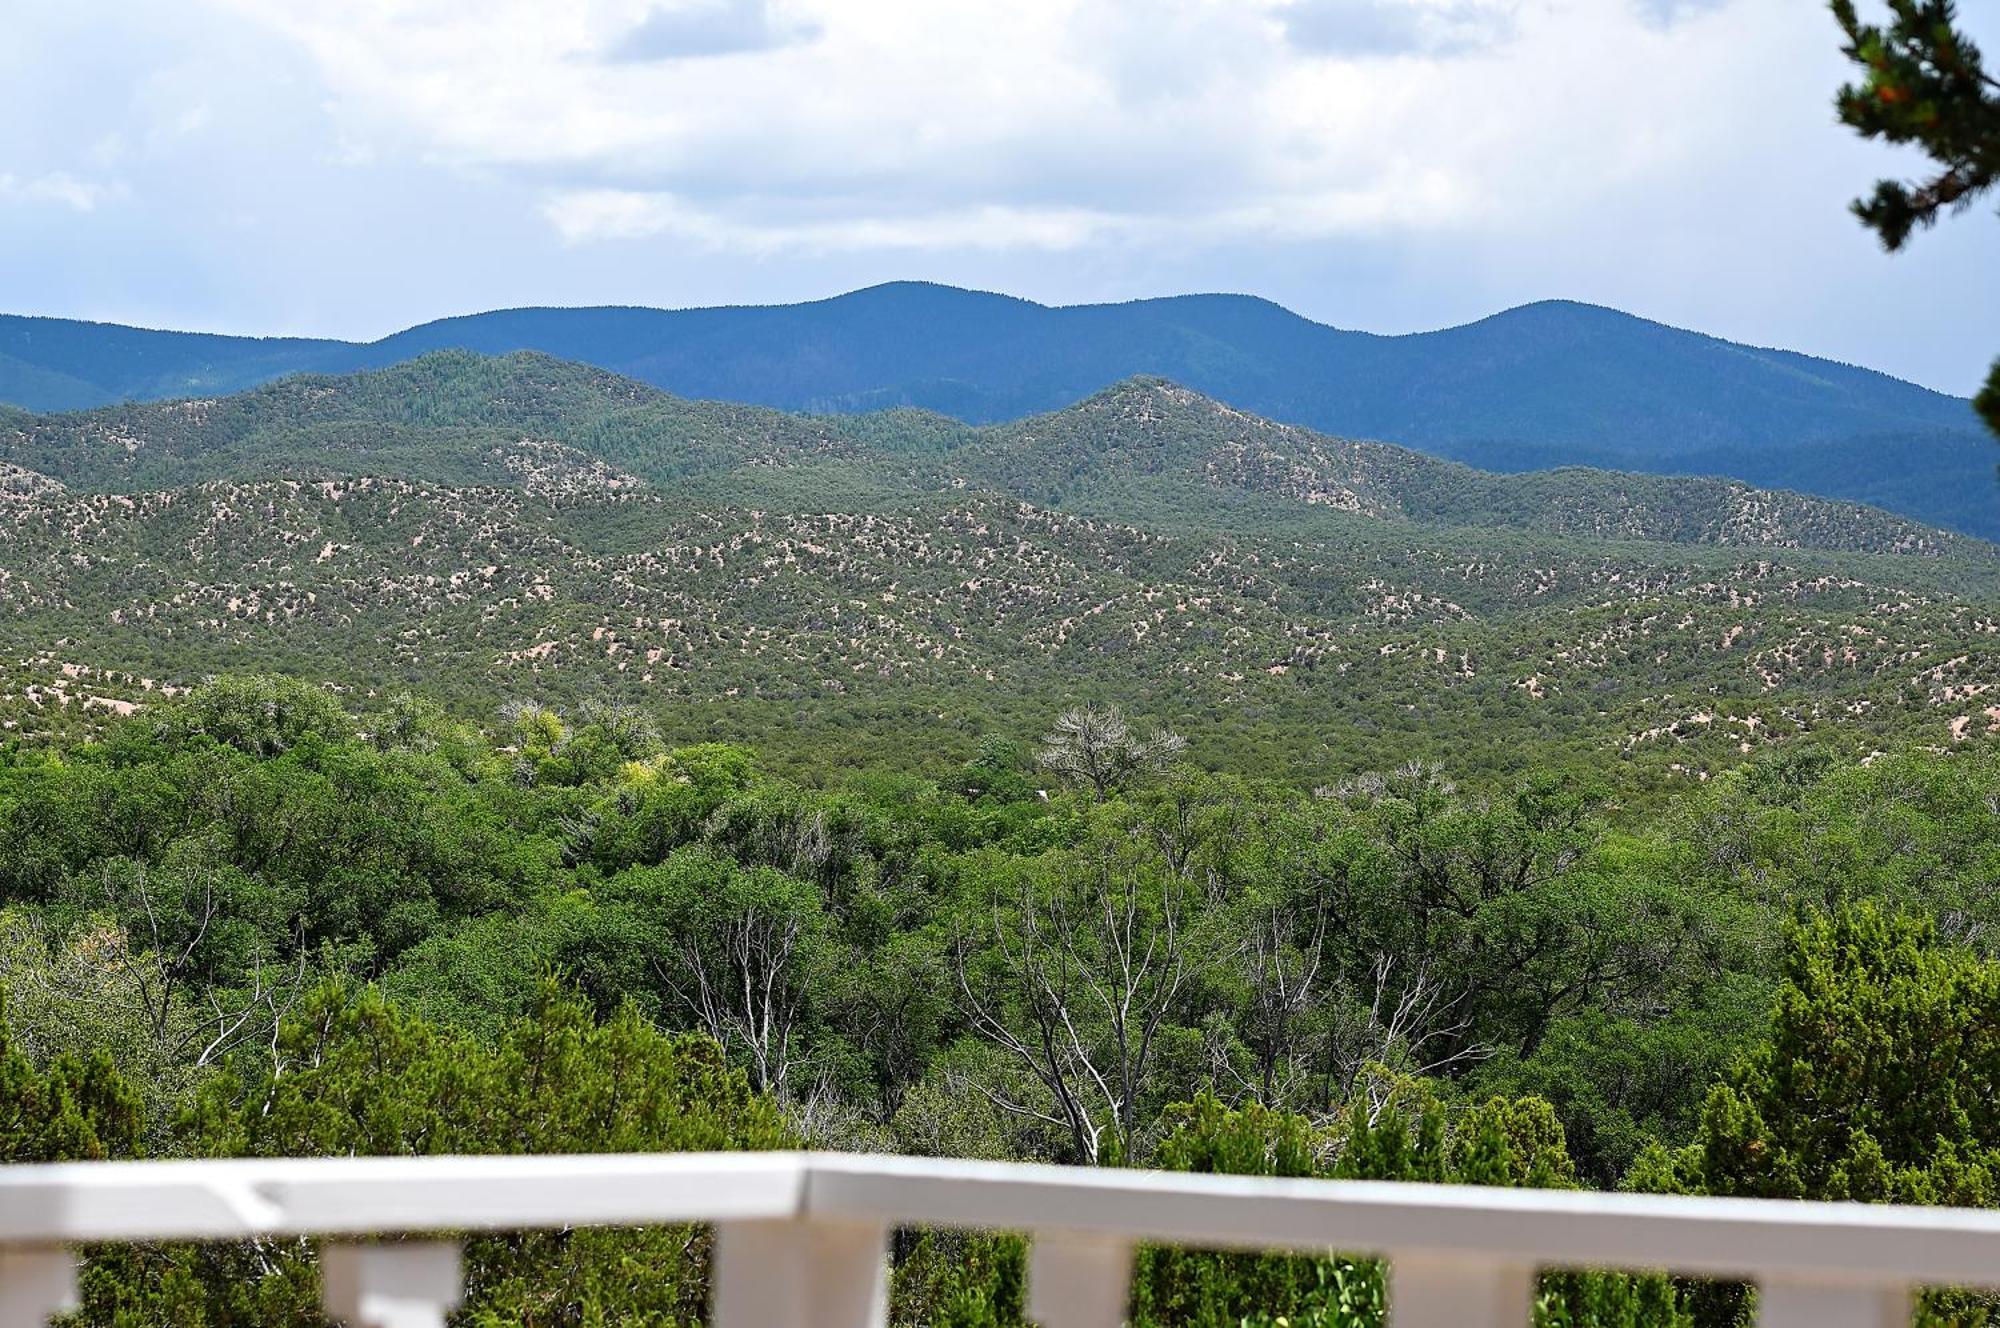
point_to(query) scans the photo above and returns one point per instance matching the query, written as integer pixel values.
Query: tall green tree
(1923, 83)
(1878, 1081)
(74, 1109)
(1077, 967)
(736, 952)
(357, 1075)
(1879, 1077)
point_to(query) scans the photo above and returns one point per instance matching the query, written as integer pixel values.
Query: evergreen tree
(1924, 84)
(72, 1110)
(356, 1075)
(1878, 1082)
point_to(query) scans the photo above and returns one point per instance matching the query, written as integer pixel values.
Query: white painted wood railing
(802, 1237)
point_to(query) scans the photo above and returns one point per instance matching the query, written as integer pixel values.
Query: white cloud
(582, 216)
(57, 187)
(682, 29)
(585, 216)
(1398, 27)
(1667, 12)
(1173, 117)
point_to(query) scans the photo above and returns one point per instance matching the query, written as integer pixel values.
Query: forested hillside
(485, 529)
(1545, 385)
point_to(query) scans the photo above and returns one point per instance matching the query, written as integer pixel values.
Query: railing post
(37, 1282)
(404, 1284)
(1432, 1291)
(800, 1273)
(1832, 1305)
(1079, 1281)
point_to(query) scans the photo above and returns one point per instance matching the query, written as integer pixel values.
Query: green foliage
(1516, 982)
(260, 716)
(1200, 1288)
(1875, 1083)
(1924, 83)
(974, 1280)
(948, 1279)
(72, 1110)
(1878, 1078)
(1532, 388)
(489, 529)
(738, 950)
(356, 1075)
(713, 820)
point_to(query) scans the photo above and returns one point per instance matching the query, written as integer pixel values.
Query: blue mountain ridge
(1546, 384)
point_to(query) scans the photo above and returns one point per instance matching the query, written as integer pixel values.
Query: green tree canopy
(356, 1074)
(1923, 83)
(1879, 1078)
(75, 1109)
(1878, 1081)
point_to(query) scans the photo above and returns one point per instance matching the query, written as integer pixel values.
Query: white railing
(801, 1237)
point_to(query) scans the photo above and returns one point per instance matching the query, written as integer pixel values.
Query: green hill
(498, 528)
(1550, 384)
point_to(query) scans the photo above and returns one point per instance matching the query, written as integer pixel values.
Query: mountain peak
(1144, 399)
(928, 292)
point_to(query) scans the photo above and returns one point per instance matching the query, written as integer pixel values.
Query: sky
(347, 169)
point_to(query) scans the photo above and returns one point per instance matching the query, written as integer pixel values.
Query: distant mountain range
(1550, 384)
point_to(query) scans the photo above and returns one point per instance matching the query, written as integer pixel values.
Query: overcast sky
(349, 167)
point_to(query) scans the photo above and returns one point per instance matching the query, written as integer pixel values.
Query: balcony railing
(802, 1237)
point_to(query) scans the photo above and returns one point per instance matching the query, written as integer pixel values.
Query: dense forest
(1559, 752)
(251, 920)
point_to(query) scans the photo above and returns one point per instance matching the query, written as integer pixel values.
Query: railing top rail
(79, 1202)
(224, 1199)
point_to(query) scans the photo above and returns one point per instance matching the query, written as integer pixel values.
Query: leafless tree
(740, 979)
(1414, 1024)
(125, 990)
(631, 730)
(1097, 749)
(159, 955)
(1284, 953)
(1083, 969)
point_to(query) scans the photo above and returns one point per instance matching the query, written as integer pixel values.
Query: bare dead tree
(184, 1026)
(1081, 974)
(1097, 749)
(740, 980)
(819, 1115)
(1415, 1025)
(628, 728)
(159, 955)
(1285, 951)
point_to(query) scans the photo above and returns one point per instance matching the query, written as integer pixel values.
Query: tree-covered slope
(1555, 373)
(449, 417)
(65, 364)
(1141, 448)
(1541, 386)
(1147, 430)
(489, 528)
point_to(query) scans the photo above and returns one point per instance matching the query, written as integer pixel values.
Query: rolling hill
(1545, 385)
(491, 528)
